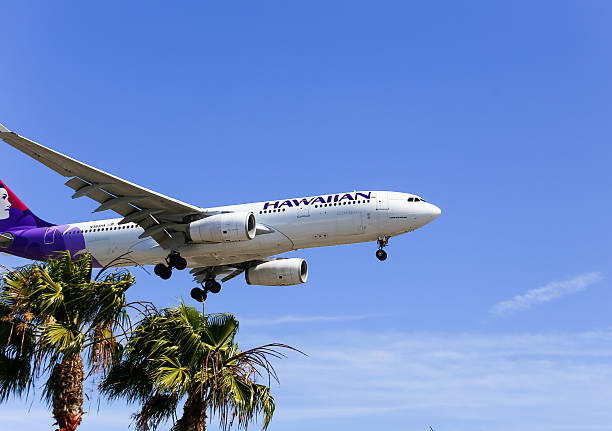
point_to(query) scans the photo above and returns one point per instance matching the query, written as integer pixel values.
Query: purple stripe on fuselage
(42, 243)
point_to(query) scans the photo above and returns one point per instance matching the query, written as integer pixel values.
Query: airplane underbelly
(125, 251)
(100, 249)
(330, 226)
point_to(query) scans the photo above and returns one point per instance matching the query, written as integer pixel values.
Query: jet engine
(224, 228)
(282, 272)
(6, 240)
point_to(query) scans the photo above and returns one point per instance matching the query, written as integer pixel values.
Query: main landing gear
(382, 242)
(174, 260)
(209, 285)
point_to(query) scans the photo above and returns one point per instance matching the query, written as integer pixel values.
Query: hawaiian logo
(5, 204)
(318, 199)
(14, 214)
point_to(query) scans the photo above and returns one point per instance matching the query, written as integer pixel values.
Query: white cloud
(553, 290)
(454, 381)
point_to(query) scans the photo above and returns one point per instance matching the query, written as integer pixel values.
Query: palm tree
(54, 315)
(180, 354)
(16, 349)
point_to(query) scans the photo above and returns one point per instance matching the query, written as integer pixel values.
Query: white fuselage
(282, 226)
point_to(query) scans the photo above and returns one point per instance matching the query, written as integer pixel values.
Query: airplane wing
(224, 272)
(162, 217)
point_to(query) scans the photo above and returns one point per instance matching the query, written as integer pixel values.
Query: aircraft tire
(180, 263)
(162, 271)
(212, 286)
(198, 294)
(215, 287)
(175, 260)
(381, 254)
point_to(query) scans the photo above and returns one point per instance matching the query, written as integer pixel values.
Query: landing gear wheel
(180, 264)
(176, 261)
(198, 294)
(212, 286)
(162, 271)
(381, 254)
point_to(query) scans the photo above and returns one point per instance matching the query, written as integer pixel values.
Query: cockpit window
(410, 199)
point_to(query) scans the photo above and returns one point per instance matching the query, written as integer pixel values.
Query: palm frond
(155, 409)
(16, 348)
(65, 315)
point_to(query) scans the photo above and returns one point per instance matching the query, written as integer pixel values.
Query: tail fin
(14, 214)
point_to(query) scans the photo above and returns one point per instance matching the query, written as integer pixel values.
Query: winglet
(3, 129)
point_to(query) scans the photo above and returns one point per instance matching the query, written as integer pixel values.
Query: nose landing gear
(174, 260)
(209, 285)
(382, 242)
(381, 254)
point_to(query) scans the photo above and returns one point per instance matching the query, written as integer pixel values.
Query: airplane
(217, 243)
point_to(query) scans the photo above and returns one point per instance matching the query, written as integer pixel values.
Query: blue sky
(495, 316)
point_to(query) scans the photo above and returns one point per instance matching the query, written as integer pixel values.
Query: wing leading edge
(162, 217)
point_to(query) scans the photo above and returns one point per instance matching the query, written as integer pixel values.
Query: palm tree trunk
(194, 414)
(68, 393)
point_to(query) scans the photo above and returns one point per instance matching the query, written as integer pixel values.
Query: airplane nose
(435, 211)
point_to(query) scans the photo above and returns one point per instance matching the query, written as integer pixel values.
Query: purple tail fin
(14, 214)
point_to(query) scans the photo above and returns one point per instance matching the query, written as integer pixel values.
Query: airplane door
(50, 235)
(382, 200)
(303, 211)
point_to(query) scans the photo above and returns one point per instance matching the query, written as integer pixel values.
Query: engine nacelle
(224, 228)
(282, 272)
(6, 240)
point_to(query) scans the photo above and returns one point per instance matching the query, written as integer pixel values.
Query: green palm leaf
(180, 353)
(62, 316)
